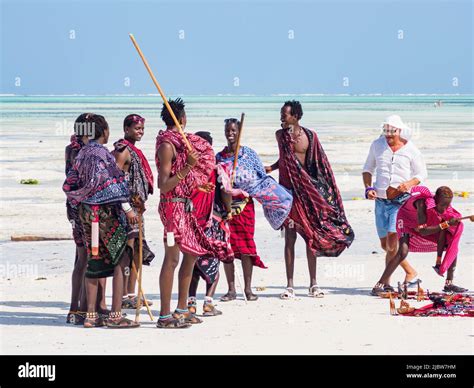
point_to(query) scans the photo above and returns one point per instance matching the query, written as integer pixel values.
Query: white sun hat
(396, 121)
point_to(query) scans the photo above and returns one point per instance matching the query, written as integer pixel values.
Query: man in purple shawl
(97, 186)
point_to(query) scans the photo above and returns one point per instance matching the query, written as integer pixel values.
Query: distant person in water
(317, 213)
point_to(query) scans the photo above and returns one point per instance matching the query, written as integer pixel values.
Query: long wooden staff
(135, 271)
(234, 169)
(236, 156)
(165, 100)
(140, 261)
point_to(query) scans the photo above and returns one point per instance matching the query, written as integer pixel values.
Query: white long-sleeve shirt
(393, 168)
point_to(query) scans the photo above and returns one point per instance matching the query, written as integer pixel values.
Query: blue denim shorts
(386, 216)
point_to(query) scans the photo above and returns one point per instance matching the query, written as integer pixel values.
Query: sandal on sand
(454, 288)
(251, 297)
(117, 321)
(93, 320)
(76, 317)
(170, 322)
(412, 283)
(289, 293)
(209, 310)
(188, 317)
(229, 296)
(378, 289)
(315, 292)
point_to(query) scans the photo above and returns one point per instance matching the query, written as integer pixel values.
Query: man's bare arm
(123, 159)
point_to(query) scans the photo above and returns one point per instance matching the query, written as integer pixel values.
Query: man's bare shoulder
(165, 151)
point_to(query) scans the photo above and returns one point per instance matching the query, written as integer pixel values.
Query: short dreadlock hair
(178, 109)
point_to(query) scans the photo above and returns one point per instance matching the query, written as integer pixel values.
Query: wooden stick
(38, 238)
(470, 217)
(143, 294)
(165, 100)
(140, 260)
(236, 156)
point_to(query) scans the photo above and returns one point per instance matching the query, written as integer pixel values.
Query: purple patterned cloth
(252, 178)
(95, 178)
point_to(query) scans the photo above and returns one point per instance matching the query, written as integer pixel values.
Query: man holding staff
(181, 171)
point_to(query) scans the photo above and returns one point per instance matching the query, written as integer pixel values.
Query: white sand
(346, 321)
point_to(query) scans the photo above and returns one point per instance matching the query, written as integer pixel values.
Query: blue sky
(338, 47)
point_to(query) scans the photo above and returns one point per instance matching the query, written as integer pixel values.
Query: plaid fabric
(317, 212)
(242, 230)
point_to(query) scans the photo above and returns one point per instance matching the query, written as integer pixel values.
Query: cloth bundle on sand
(407, 221)
(458, 305)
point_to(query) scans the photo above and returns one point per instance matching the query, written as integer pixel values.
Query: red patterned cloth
(242, 230)
(407, 221)
(176, 217)
(317, 212)
(459, 305)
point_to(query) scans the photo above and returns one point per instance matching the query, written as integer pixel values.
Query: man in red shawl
(180, 173)
(317, 213)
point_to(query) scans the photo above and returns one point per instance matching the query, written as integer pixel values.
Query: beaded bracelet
(367, 191)
(444, 225)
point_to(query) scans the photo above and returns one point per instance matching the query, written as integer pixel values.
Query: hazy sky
(237, 47)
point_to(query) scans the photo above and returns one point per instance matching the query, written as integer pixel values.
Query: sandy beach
(35, 276)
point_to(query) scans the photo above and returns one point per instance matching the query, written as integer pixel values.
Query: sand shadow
(326, 290)
(42, 304)
(15, 318)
